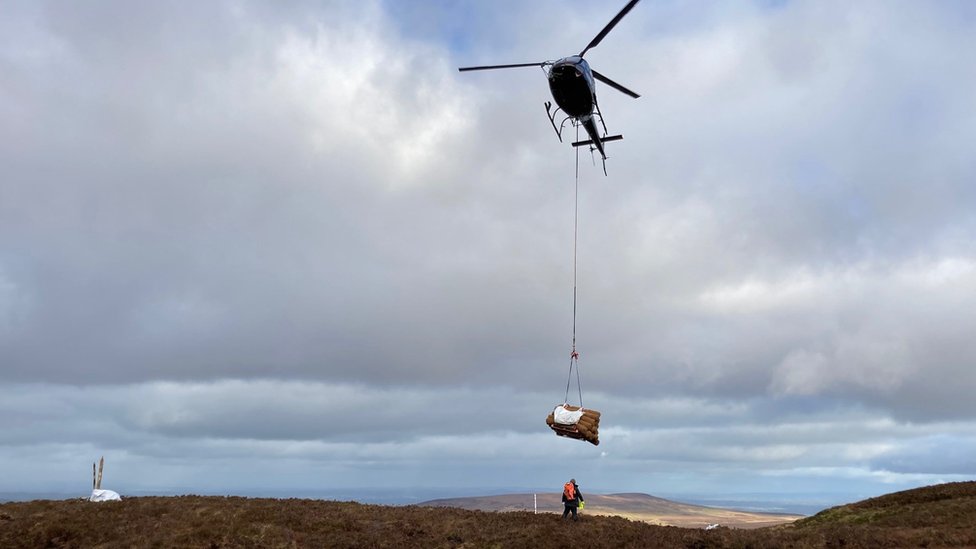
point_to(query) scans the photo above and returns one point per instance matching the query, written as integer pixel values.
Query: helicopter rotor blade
(613, 84)
(613, 23)
(489, 67)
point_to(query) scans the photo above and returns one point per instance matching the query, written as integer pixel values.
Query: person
(571, 498)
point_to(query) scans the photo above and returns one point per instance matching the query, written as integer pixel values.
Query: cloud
(227, 222)
(945, 453)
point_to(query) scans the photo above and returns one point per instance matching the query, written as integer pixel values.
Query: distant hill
(939, 506)
(936, 516)
(641, 507)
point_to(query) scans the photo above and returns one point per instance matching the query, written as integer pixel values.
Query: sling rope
(574, 356)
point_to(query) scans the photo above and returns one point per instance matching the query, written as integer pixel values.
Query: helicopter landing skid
(593, 148)
(602, 140)
(551, 114)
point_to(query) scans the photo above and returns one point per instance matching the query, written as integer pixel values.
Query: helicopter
(573, 87)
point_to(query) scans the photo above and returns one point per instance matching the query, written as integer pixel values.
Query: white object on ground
(104, 495)
(563, 416)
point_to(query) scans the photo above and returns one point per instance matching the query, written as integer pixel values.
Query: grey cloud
(312, 197)
(943, 454)
(267, 410)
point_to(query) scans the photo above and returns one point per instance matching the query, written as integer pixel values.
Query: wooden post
(101, 465)
(93, 475)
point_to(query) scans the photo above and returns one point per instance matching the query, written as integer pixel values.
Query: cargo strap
(573, 355)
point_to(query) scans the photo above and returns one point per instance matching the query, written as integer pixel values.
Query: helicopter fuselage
(574, 90)
(572, 86)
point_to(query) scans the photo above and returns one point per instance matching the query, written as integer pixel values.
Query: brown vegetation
(939, 516)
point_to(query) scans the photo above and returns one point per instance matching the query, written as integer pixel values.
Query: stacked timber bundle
(575, 422)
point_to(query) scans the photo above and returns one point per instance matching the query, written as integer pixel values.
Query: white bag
(563, 416)
(104, 495)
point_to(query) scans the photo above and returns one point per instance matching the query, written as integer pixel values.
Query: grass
(942, 505)
(938, 516)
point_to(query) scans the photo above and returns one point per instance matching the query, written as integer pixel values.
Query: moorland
(936, 516)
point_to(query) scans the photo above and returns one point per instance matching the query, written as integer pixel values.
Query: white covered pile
(575, 422)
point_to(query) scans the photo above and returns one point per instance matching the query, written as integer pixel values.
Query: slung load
(575, 422)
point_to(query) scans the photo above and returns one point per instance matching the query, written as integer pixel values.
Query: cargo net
(575, 422)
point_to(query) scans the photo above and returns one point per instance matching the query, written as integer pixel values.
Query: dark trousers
(571, 506)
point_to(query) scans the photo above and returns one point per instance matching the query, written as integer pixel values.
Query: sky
(255, 248)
